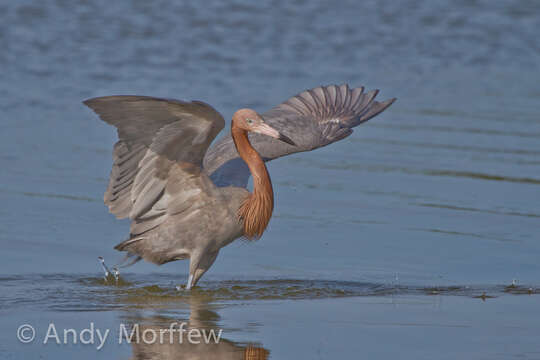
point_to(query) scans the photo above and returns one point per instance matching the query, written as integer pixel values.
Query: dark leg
(198, 266)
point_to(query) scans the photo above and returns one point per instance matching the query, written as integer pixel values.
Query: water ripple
(89, 293)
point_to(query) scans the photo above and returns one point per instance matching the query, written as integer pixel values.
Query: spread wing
(312, 119)
(158, 159)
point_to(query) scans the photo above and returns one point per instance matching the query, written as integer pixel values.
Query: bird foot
(115, 273)
(188, 286)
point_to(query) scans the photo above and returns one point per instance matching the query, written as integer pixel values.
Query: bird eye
(250, 121)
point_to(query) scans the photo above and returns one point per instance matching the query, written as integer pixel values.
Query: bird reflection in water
(201, 318)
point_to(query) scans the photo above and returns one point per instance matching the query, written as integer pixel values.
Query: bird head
(249, 120)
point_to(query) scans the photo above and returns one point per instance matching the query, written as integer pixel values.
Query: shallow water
(281, 317)
(401, 241)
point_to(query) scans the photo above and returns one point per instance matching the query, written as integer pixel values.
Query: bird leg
(104, 266)
(199, 264)
(190, 283)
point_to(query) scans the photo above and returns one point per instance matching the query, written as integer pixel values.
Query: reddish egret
(188, 201)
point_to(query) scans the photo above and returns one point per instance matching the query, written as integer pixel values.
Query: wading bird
(187, 201)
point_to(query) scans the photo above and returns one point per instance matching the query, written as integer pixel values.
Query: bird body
(188, 201)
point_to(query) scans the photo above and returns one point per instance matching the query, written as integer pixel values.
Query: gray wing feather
(123, 172)
(155, 136)
(312, 119)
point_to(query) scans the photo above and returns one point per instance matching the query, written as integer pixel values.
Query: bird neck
(256, 210)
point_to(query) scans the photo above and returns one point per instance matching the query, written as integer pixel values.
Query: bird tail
(131, 257)
(140, 247)
(125, 245)
(129, 260)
